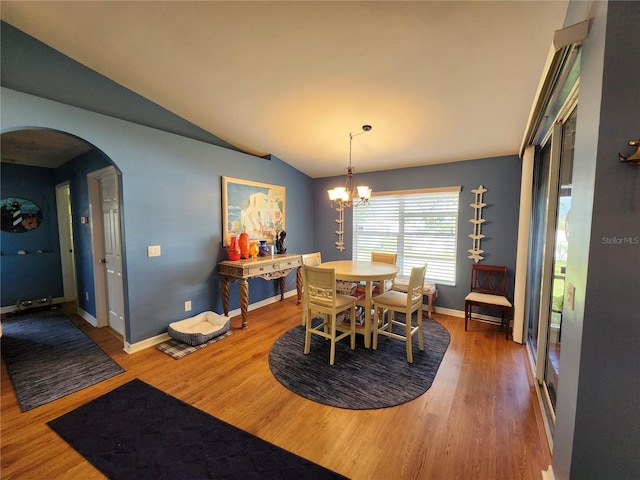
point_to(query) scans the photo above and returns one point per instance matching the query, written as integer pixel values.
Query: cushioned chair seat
(401, 284)
(199, 329)
(488, 298)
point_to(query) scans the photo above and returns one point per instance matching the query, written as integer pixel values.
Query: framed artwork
(19, 215)
(252, 207)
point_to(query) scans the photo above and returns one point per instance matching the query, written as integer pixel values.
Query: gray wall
(597, 432)
(501, 177)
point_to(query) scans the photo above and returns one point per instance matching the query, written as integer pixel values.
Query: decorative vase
(233, 250)
(244, 245)
(253, 249)
(263, 249)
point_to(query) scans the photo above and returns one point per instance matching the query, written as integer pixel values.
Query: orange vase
(244, 245)
(234, 249)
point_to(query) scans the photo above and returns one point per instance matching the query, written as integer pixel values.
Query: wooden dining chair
(383, 257)
(488, 290)
(407, 303)
(313, 259)
(320, 296)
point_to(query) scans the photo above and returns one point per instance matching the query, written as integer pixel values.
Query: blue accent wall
(33, 275)
(171, 196)
(500, 176)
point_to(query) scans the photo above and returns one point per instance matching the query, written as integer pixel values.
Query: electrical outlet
(153, 251)
(187, 306)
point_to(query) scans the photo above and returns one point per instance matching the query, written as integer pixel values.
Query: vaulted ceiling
(438, 81)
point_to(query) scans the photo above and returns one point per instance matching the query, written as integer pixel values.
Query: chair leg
(307, 338)
(332, 355)
(353, 329)
(467, 315)
(376, 326)
(408, 339)
(420, 339)
(391, 317)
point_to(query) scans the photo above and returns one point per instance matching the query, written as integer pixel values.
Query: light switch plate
(570, 296)
(153, 251)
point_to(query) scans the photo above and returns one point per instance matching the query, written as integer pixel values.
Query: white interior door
(112, 251)
(65, 233)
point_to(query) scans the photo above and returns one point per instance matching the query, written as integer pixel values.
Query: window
(421, 226)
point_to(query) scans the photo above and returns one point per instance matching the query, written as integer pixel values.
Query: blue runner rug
(139, 432)
(48, 357)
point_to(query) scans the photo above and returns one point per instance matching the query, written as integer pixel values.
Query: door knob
(104, 260)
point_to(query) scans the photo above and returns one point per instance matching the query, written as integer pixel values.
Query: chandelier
(349, 195)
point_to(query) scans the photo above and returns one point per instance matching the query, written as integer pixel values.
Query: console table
(267, 268)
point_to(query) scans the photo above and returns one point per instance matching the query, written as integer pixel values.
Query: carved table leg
(244, 301)
(225, 295)
(281, 280)
(299, 284)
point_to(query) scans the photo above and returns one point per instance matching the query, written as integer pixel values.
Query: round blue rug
(363, 378)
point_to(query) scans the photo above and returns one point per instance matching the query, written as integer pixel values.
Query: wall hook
(634, 158)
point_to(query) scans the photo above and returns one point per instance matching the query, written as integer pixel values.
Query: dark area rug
(362, 378)
(48, 357)
(139, 432)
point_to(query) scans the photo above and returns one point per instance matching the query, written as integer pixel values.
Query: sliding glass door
(560, 249)
(548, 247)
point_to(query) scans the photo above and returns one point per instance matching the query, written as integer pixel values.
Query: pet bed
(199, 329)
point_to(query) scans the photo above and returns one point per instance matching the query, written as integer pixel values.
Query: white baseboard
(14, 308)
(448, 311)
(150, 342)
(87, 317)
(476, 316)
(263, 303)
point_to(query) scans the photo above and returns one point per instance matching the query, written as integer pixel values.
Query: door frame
(97, 244)
(65, 234)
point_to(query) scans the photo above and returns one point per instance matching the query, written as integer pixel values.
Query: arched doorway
(60, 161)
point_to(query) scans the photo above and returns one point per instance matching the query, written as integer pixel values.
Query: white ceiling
(438, 81)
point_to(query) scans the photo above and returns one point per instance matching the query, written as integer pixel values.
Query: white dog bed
(199, 329)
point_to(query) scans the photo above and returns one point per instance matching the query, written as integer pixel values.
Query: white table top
(353, 270)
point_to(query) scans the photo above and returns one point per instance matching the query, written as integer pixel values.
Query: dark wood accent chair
(488, 290)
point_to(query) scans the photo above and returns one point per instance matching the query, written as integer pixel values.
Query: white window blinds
(421, 226)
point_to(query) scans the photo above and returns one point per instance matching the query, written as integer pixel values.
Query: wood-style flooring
(480, 419)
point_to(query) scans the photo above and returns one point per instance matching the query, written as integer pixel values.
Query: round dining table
(368, 272)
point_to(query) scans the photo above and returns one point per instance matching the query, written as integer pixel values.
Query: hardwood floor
(479, 420)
